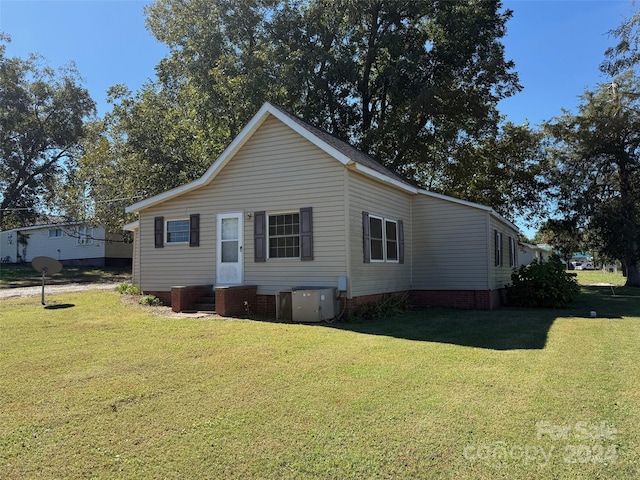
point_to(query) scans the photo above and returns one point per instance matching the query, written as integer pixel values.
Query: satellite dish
(46, 266)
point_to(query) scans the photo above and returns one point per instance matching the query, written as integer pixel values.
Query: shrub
(150, 300)
(390, 305)
(127, 288)
(542, 285)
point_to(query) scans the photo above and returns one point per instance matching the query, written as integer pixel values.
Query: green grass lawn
(26, 276)
(97, 388)
(589, 277)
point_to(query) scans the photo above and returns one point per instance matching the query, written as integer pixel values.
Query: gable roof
(343, 152)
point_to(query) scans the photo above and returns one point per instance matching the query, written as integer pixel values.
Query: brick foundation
(165, 297)
(464, 299)
(230, 301)
(265, 306)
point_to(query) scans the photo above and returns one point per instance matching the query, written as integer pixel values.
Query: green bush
(542, 285)
(150, 300)
(127, 288)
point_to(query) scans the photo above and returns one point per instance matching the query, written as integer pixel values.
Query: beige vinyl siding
(116, 248)
(276, 171)
(450, 245)
(135, 263)
(501, 275)
(384, 201)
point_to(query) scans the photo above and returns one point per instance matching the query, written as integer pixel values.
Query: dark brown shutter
(259, 237)
(194, 230)
(366, 237)
(400, 241)
(306, 234)
(158, 231)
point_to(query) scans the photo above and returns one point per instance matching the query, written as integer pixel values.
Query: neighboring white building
(71, 244)
(528, 253)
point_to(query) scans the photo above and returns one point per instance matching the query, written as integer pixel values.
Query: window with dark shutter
(158, 231)
(400, 241)
(512, 252)
(366, 237)
(259, 237)
(498, 247)
(306, 234)
(194, 230)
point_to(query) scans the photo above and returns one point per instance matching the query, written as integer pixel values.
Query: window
(383, 239)
(55, 232)
(177, 231)
(391, 236)
(377, 240)
(85, 236)
(284, 235)
(498, 247)
(512, 252)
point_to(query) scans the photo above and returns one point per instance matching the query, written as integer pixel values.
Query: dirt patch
(163, 311)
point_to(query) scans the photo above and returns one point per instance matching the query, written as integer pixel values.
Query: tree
(42, 116)
(564, 235)
(597, 169)
(505, 171)
(404, 81)
(147, 144)
(625, 54)
(414, 84)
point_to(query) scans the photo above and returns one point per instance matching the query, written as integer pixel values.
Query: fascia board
(383, 178)
(130, 227)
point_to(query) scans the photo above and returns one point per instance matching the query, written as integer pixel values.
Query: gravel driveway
(52, 289)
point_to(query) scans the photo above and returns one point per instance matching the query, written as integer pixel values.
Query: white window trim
(498, 249)
(55, 230)
(397, 240)
(385, 254)
(166, 231)
(512, 252)
(268, 220)
(85, 236)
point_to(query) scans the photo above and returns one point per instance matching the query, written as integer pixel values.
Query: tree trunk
(631, 262)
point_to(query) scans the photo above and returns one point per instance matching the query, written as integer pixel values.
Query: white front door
(229, 269)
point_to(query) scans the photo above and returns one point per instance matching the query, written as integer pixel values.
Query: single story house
(288, 206)
(529, 253)
(70, 243)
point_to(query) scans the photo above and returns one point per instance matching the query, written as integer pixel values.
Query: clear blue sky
(556, 45)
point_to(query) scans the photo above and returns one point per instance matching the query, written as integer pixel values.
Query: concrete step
(204, 307)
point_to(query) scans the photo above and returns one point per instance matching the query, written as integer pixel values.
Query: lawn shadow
(504, 329)
(501, 329)
(59, 306)
(622, 302)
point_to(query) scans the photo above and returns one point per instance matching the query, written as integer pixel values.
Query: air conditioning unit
(307, 304)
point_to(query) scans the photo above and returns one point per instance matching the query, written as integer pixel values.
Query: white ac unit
(307, 305)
